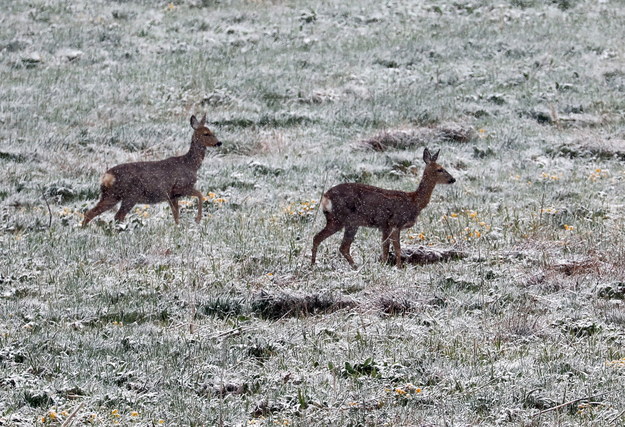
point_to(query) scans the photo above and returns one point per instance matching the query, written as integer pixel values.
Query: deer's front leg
(175, 210)
(396, 246)
(386, 242)
(200, 201)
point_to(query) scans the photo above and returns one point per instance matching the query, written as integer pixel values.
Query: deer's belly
(151, 198)
(150, 195)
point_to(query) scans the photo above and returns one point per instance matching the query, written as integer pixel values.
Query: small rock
(69, 54)
(32, 58)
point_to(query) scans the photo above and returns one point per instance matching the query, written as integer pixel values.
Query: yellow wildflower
(618, 362)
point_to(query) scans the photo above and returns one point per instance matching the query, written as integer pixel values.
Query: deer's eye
(440, 170)
(206, 134)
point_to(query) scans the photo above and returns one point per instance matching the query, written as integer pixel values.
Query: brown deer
(354, 205)
(159, 181)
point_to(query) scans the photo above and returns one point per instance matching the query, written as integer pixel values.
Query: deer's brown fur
(158, 181)
(353, 205)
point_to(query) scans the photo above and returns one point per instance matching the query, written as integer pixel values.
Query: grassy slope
(191, 324)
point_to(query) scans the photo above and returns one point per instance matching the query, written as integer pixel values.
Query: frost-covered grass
(225, 322)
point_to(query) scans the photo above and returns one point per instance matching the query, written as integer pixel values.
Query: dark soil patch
(411, 138)
(425, 255)
(392, 306)
(572, 267)
(591, 147)
(612, 291)
(277, 306)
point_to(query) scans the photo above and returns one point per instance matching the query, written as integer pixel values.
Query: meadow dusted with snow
(225, 322)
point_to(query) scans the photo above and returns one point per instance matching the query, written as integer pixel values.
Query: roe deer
(354, 205)
(159, 181)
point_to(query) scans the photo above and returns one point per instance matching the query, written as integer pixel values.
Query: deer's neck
(196, 154)
(424, 192)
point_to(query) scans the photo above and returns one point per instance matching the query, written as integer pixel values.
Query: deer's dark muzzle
(451, 181)
(218, 144)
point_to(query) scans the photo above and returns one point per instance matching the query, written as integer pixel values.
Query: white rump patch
(326, 204)
(108, 179)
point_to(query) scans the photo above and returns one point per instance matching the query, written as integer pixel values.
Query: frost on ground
(225, 323)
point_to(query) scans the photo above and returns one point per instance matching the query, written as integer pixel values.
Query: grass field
(225, 322)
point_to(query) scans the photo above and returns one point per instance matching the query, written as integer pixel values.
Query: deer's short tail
(326, 204)
(107, 181)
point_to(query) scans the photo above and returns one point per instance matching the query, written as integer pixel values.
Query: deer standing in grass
(159, 181)
(354, 205)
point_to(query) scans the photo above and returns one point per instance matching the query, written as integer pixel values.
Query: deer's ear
(427, 157)
(434, 157)
(203, 121)
(194, 123)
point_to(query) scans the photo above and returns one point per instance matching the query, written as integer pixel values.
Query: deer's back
(369, 206)
(152, 182)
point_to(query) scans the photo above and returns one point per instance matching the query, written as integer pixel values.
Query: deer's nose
(452, 180)
(218, 144)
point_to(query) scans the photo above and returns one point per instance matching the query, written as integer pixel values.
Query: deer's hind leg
(330, 228)
(104, 204)
(348, 238)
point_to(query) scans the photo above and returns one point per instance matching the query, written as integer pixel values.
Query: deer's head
(202, 134)
(434, 170)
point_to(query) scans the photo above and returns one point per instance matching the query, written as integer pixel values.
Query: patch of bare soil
(409, 138)
(279, 305)
(428, 255)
